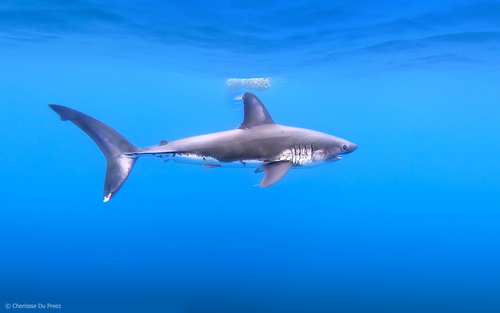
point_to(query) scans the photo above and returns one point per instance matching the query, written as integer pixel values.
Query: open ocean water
(407, 223)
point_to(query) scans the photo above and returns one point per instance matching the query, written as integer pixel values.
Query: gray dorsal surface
(255, 112)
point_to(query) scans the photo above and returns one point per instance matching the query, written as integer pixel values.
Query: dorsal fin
(255, 112)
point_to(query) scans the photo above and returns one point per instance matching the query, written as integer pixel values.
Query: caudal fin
(112, 144)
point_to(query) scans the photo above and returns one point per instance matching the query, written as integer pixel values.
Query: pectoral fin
(274, 172)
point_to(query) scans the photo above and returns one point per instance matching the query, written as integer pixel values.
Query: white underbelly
(207, 161)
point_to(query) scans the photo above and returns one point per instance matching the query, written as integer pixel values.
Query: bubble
(241, 84)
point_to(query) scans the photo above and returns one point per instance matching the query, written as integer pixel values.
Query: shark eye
(344, 147)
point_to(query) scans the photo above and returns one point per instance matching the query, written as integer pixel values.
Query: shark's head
(337, 146)
(347, 147)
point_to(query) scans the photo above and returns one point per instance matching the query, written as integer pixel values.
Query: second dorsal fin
(255, 112)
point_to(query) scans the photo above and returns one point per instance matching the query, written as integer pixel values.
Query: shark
(258, 143)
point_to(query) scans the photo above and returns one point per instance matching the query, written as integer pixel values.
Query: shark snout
(349, 147)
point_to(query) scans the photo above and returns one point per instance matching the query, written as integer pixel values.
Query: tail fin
(112, 144)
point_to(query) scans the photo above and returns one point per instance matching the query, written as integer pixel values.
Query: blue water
(407, 223)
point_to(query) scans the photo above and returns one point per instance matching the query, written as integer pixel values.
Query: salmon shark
(258, 143)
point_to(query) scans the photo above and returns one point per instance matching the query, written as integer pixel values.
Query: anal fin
(273, 172)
